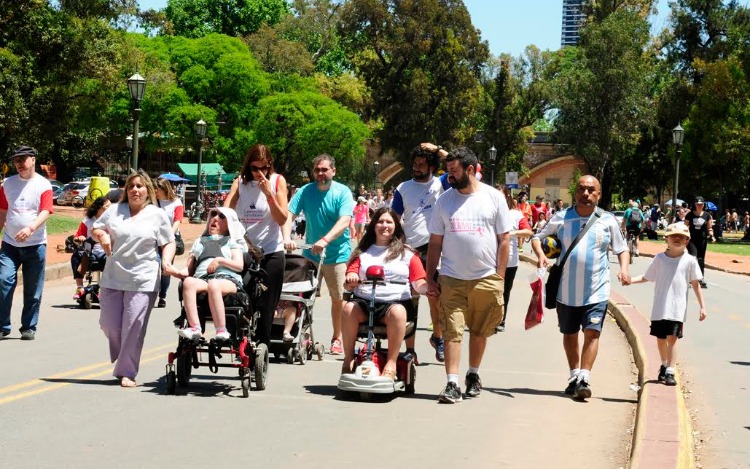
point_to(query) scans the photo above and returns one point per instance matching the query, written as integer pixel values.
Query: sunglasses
(258, 169)
(216, 213)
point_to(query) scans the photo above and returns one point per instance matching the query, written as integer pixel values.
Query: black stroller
(242, 313)
(94, 264)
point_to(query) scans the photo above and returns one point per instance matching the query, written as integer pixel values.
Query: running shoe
(451, 394)
(162, 303)
(669, 379)
(473, 385)
(662, 373)
(79, 293)
(191, 333)
(583, 390)
(336, 348)
(287, 337)
(28, 334)
(222, 334)
(570, 390)
(439, 345)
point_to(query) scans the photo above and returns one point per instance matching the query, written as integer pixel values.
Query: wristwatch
(437, 149)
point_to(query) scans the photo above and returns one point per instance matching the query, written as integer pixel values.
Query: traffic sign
(511, 180)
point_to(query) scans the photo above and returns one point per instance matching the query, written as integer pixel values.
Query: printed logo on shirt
(252, 215)
(471, 226)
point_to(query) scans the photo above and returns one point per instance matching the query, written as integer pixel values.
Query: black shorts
(665, 327)
(381, 309)
(634, 230)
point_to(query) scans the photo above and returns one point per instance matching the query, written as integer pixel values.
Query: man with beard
(469, 236)
(414, 201)
(328, 207)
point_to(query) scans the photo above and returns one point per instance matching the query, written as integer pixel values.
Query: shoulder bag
(555, 272)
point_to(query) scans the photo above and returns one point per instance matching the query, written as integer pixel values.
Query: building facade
(572, 18)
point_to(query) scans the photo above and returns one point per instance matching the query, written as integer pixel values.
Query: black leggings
(274, 265)
(697, 248)
(510, 276)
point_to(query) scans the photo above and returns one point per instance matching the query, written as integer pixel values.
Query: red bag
(535, 313)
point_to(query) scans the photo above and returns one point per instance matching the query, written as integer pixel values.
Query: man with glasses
(328, 206)
(25, 205)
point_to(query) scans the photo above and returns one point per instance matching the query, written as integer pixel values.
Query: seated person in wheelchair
(214, 267)
(382, 244)
(78, 261)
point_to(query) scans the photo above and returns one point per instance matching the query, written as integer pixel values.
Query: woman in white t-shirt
(383, 245)
(259, 195)
(131, 233)
(520, 229)
(171, 203)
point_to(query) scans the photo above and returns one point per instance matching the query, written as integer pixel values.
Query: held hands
(173, 271)
(433, 289)
(624, 278)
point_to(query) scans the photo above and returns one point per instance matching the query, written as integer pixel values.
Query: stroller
(301, 282)
(242, 313)
(91, 287)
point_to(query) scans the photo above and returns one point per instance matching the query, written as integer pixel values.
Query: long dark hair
(395, 248)
(257, 152)
(95, 206)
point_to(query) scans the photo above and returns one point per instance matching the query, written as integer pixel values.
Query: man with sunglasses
(328, 206)
(25, 205)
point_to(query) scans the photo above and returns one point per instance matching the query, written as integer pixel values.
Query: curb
(662, 434)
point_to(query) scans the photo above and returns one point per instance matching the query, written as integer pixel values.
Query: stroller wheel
(320, 350)
(290, 355)
(85, 301)
(302, 354)
(171, 383)
(246, 386)
(260, 367)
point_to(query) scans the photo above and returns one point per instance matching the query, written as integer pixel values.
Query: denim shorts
(572, 319)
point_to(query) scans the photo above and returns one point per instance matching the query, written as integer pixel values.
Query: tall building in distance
(572, 18)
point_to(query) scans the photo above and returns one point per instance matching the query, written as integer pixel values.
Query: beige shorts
(477, 304)
(335, 276)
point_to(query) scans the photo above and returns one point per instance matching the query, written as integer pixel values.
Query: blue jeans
(32, 258)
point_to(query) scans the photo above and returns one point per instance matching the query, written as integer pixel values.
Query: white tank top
(255, 214)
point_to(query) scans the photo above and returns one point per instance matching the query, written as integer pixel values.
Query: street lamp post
(376, 167)
(492, 153)
(200, 133)
(137, 88)
(678, 134)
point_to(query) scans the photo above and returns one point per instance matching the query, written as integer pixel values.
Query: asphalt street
(62, 408)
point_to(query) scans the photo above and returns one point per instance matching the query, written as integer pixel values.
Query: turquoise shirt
(322, 210)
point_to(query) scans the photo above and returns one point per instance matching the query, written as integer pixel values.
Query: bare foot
(126, 382)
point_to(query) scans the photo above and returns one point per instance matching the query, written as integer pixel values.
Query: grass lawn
(728, 245)
(57, 224)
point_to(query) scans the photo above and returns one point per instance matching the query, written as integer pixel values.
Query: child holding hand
(673, 272)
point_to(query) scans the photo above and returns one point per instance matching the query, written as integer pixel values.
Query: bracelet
(31, 228)
(437, 150)
(325, 239)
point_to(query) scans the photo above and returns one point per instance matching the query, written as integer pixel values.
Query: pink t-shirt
(360, 214)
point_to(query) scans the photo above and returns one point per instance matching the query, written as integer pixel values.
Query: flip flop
(126, 382)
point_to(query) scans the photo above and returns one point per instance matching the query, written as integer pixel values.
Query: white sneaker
(222, 334)
(190, 333)
(287, 337)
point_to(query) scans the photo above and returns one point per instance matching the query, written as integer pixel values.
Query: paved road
(714, 360)
(61, 407)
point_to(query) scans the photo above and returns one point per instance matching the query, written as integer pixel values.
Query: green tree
(197, 18)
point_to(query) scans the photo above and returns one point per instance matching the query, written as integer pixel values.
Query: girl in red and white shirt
(171, 203)
(382, 244)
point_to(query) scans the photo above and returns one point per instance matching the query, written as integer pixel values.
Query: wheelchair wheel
(245, 386)
(409, 388)
(184, 369)
(171, 383)
(260, 367)
(85, 301)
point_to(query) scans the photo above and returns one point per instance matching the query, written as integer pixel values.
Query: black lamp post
(137, 88)
(376, 167)
(678, 134)
(492, 153)
(200, 133)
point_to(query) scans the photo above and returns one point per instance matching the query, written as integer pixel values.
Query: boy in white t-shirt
(673, 271)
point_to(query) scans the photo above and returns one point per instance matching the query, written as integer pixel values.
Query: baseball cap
(25, 151)
(699, 200)
(361, 199)
(677, 229)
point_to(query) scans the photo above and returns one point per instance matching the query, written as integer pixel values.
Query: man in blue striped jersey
(584, 285)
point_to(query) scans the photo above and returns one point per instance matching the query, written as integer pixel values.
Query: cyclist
(632, 224)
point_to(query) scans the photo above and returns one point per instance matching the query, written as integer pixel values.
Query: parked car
(75, 194)
(56, 191)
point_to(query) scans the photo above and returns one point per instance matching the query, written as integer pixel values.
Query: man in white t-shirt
(25, 205)
(413, 201)
(469, 236)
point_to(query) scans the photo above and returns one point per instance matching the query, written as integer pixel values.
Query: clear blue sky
(510, 25)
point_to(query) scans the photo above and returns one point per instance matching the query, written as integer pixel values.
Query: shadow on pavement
(740, 363)
(196, 388)
(99, 382)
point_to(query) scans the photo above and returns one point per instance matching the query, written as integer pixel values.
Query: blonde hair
(146, 182)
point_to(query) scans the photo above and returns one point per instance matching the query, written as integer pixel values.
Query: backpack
(636, 217)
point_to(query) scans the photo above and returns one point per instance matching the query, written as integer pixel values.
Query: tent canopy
(212, 171)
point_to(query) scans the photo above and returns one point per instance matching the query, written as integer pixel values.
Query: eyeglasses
(216, 213)
(258, 169)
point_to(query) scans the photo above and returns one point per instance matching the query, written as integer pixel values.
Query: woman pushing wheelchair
(383, 245)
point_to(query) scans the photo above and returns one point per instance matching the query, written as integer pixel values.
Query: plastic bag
(535, 313)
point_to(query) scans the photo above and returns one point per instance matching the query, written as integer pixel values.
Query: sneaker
(451, 394)
(191, 333)
(287, 337)
(79, 293)
(4, 334)
(473, 385)
(703, 284)
(570, 390)
(222, 334)
(669, 379)
(500, 328)
(162, 303)
(336, 348)
(583, 390)
(439, 345)
(28, 334)
(662, 373)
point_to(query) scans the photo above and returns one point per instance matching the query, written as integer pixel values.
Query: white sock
(474, 370)
(584, 375)
(574, 373)
(453, 379)
(664, 363)
(670, 370)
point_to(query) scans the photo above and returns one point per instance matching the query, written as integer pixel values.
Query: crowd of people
(449, 237)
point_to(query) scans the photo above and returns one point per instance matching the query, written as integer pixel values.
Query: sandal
(347, 369)
(126, 382)
(390, 374)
